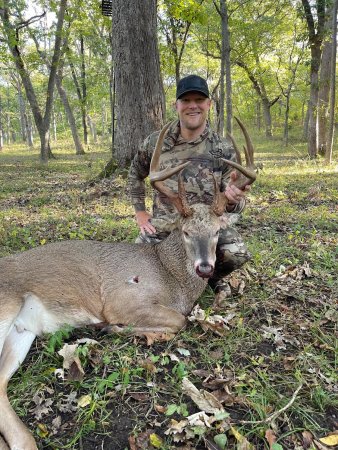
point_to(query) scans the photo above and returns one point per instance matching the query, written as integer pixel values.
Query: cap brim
(192, 90)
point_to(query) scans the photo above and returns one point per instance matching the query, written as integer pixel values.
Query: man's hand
(143, 221)
(233, 193)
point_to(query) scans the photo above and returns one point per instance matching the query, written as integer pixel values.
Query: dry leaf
(160, 409)
(72, 362)
(270, 437)
(242, 442)
(216, 323)
(84, 401)
(157, 337)
(307, 439)
(331, 440)
(204, 400)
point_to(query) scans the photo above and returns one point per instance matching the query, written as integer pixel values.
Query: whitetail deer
(150, 288)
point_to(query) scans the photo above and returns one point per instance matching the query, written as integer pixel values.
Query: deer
(147, 288)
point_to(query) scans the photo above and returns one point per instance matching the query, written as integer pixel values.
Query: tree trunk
(92, 127)
(83, 91)
(286, 120)
(1, 128)
(139, 91)
(328, 154)
(313, 102)
(315, 41)
(323, 97)
(324, 81)
(22, 108)
(267, 116)
(225, 72)
(70, 116)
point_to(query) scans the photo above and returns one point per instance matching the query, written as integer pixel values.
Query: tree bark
(315, 41)
(69, 112)
(328, 154)
(1, 128)
(225, 97)
(139, 90)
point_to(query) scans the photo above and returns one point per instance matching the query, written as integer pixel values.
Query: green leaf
(221, 440)
(171, 410)
(276, 446)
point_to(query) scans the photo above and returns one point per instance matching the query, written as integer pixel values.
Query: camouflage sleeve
(229, 153)
(138, 172)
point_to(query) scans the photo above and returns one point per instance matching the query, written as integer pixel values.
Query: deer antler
(179, 200)
(249, 149)
(247, 174)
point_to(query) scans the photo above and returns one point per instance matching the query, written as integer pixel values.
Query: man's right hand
(143, 221)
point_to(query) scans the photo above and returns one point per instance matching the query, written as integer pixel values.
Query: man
(190, 138)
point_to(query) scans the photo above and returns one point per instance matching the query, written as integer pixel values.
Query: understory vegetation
(259, 373)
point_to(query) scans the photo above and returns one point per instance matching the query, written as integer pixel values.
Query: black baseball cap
(192, 83)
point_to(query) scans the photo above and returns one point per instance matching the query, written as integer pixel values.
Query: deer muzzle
(204, 270)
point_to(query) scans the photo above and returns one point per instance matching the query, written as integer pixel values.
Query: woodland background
(69, 70)
(79, 91)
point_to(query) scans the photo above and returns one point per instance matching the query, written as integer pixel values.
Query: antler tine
(249, 176)
(249, 149)
(220, 200)
(157, 177)
(238, 153)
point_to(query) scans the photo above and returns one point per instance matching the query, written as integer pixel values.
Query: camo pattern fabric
(205, 156)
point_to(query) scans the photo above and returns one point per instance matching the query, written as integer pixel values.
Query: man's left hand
(233, 193)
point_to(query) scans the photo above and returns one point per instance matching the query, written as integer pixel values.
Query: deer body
(148, 288)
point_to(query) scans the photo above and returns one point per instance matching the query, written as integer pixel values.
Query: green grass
(290, 223)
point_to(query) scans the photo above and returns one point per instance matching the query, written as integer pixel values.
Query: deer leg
(15, 349)
(3, 445)
(154, 318)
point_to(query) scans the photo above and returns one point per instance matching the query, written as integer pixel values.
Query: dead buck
(150, 288)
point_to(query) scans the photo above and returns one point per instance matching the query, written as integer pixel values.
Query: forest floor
(269, 360)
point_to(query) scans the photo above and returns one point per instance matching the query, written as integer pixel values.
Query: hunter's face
(192, 109)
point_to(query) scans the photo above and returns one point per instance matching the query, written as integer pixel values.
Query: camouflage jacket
(204, 154)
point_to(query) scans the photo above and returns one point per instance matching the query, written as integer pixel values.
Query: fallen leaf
(216, 323)
(72, 362)
(42, 430)
(331, 440)
(84, 401)
(204, 400)
(270, 437)
(307, 439)
(242, 442)
(157, 337)
(221, 440)
(160, 409)
(155, 440)
(211, 445)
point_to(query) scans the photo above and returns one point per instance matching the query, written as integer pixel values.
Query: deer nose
(204, 270)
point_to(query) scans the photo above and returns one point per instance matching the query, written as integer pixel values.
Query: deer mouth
(204, 270)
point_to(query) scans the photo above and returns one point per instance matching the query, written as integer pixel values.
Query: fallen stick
(273, 416)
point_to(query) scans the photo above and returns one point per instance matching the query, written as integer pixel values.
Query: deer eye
(186, 234)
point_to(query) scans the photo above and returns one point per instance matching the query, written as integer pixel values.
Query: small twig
(273, 416)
